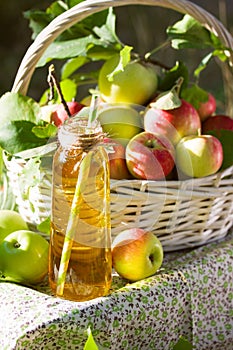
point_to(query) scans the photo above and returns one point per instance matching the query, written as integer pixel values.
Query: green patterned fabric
(191, 296)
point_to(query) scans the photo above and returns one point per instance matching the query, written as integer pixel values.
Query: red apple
(150, 156)
(117, 162)
(207, 108)
(199, 156)
(174, 123)
(221, 126)
(217, 122)
(59, 115)
(136, 254)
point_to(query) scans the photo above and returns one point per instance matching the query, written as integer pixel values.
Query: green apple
(120, 122)
(199, 155)
(136, 254)
(24, 257)
(10, 221)
(137, 83)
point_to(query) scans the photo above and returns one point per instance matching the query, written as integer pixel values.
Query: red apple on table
(173, 123)
(207, 108)
(136, 254)
(199, 155)
(221, 126)
(150, 156)
(117, 162)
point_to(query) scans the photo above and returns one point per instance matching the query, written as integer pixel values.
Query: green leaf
(167, 100)
(86, 78)
(47, 131)
(124, 59)
(226, 139)
(44, 226)
(172, 75)
(38, 20)
(17, 136)
(14, 106)
(98, 52)
(107, 32)
(183, 344)
(189, 33)
(221, 54)
(69, 89)
(67, 49)
(72, 65)
(90, 343)
(195, 95)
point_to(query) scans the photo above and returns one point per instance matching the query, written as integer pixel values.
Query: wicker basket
(181, 213)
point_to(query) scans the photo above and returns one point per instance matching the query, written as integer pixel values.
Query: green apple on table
(24, 257)
(136, 254)
(10, 221)
(199, 155)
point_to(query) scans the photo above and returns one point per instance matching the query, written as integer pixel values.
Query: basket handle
(88, 7)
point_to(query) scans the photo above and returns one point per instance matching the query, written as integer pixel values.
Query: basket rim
(88, 7)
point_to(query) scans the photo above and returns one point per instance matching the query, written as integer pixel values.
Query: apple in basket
(150, 156)
(207, 108)
(221, 126)
(136, 254)
(173, 123)
(117, 162)
(10, 221)
(199, 155)
(120, 122)
(24, 257)
(57, 114)
(136, 83)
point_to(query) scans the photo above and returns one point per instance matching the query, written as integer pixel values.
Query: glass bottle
(88, 270)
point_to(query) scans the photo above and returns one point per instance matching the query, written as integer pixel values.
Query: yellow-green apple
(117, 162)
(136, 83)
(150, 156)
(24, 257)
(120, 122)
(207, 108)
(199, 155)
(174, 123)
(10, 221)
(136, 254)
(221, 126)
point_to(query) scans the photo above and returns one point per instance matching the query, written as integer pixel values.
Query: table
(192, 295)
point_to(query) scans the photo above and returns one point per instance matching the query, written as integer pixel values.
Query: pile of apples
(150, 142)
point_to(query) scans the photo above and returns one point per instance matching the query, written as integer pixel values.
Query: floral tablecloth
(192, 295)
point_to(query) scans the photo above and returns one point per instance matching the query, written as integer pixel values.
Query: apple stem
(52, 81)
(16, 245)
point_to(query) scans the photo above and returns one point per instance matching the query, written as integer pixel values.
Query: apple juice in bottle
(89, 267)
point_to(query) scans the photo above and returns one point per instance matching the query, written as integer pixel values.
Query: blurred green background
(143, 27)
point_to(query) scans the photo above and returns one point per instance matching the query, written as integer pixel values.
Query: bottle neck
(76, 133)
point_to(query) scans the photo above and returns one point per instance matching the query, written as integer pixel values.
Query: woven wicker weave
(181, 213)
